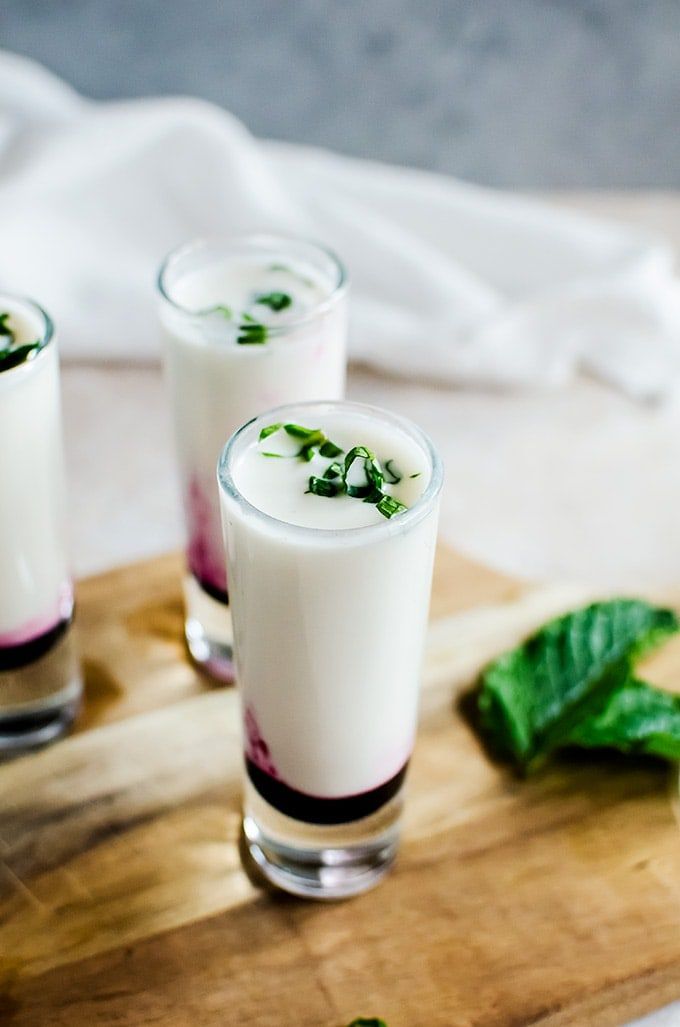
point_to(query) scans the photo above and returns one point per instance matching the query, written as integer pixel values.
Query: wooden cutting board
(122, 898)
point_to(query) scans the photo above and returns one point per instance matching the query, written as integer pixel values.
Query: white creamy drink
(330, 518)
(248, 325)
(35, 587)
(37, 692)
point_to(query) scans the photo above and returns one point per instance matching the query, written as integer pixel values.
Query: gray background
(527, 93)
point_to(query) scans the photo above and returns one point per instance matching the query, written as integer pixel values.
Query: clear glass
(216, 384)
(329, 629)
(40, 681)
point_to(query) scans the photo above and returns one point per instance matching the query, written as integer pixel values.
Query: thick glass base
(208, 632)
(319, 861)
(38, 702)
(330, 873)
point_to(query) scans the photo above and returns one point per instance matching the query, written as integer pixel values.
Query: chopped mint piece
(329, 449)
(372, 470)
(251, 333)
(311, 439)
(6, 333)
(389, 506)
(323, 487)
(19, 355)
(276, 301)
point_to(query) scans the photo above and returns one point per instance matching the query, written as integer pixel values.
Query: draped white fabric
(451, 282)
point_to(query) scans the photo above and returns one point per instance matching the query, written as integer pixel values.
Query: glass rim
(258, 239)
(386, 527)
(46, 337)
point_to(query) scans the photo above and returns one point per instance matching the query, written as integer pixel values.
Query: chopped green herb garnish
(329, 449)
(279, 456)
(276, 301)
(11, 355)
(416, 475)
(370, 490)
(251, 333)
(395, 476)
(323, 487)
(20, 354)
(298, 432)
(372, 469)
(311, 439)
(224, 310)
(389, 506)
(367, 1021)
(269, 430)
(6, 333)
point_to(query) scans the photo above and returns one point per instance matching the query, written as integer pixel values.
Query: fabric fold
(451, 282)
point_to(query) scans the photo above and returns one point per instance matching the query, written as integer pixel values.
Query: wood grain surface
(550, 902)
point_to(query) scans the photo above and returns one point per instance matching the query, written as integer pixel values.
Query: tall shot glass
(40, 682)
(220, 376)
(329, 629)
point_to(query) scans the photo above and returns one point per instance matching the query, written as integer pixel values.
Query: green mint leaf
(635, 718)
(323, 487)
(250, 333)
(269, 430)
(533, 697)
(394, 475)
(389, 506)
(276, 301)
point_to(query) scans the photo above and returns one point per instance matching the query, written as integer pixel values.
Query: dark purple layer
(13, 657)
(314, 810)
(220, 595)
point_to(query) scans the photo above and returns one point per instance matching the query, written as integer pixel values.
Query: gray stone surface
(527, 93)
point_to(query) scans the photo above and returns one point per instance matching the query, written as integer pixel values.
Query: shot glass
(40, 682)
(329, 629)
(248, 323)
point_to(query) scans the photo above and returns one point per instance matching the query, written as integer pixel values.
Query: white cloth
(451, 282)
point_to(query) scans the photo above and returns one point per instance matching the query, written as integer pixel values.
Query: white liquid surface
(279, 487)
(34, 581)
(238, 284)
(329, 628)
